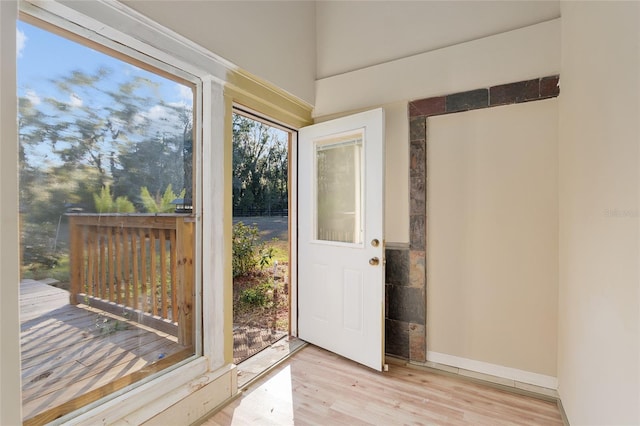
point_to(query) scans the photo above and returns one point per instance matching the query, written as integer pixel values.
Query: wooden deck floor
(72, 355)
(317, 387)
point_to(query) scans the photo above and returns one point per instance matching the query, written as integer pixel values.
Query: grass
(280, 250)
(59, 272)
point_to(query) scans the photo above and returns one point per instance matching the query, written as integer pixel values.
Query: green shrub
(257, 296)
(38, 245)
(249, 252)
(266, 254)
(105, 203)
(160, 205)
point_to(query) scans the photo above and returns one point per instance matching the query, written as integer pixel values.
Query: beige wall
(598, 311)
(352, 35)
(599, 305)
(492, 235)
(274, 40)
(517, 55)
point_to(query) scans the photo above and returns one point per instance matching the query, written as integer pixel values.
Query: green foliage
(163, 205)
(280, 250)
(245, 240)
(105, 203)
(123, 205)
(257, 296)
(39, 246)
(265, 256)
(104, 200)
(249, 252)
(91, 141)
(106, 325)
(155, 163)
(260, 166)
(70, 150)
(60, 271)
(149, 203)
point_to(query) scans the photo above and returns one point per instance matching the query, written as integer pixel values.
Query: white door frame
(293, 234)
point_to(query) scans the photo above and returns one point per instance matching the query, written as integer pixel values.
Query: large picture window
(106, 191)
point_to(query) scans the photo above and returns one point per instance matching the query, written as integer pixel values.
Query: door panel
(353, 292)
(340, 230)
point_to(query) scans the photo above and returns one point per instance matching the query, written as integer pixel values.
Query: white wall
(352, 35)
(10, 401)
(492, 238)
(473, 335)
(517, 55)
(274, 40)
(599, 304)
(522, 54)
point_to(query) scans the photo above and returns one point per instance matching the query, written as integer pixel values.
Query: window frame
(147, 391)
(198, 385)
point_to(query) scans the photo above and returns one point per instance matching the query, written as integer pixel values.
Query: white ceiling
(352, 35)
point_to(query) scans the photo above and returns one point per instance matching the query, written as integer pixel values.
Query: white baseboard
(519, 376)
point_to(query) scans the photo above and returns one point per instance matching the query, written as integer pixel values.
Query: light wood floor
(72, 355)
(317, 387)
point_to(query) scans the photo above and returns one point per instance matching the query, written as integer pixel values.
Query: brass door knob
(374, 261)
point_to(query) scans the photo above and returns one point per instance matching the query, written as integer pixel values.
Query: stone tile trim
(405, 315)
(405, 322)
(503, 94)
(465, 101)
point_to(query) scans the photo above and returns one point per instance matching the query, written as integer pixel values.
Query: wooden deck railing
(139, 265)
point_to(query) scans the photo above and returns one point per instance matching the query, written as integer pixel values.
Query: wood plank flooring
(320, 388)
(74, 354)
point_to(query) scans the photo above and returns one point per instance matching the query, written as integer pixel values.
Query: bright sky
(43, 56)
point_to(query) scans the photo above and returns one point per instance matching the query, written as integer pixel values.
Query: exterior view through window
(260, 235)
(107, 236)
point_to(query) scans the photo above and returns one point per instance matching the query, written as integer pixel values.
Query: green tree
(160, 204)
(90, 140)
(152, 163)
(105, 203)
(94, 128)
(86, 122)
(249, 252)
(260, 166)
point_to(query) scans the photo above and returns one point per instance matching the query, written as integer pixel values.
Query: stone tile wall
(406, 283)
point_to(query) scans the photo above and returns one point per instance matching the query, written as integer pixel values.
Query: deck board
(69, 352)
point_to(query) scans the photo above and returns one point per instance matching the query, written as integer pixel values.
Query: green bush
(160, 205)
(257, 296)
(38, 245)
(249, 252)
(105, 203)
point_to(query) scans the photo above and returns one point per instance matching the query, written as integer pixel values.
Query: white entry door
(341, 236)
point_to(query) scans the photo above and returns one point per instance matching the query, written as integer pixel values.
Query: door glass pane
(339, 189)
